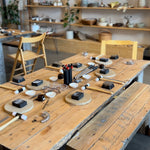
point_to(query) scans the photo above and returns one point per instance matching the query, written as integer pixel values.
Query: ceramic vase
(142, 3)
(84, 3)
(69, 35)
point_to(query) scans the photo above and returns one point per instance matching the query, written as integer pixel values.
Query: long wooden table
(65, 119)
(15, 34)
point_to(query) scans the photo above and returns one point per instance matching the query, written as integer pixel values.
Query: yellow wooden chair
(23, 57)
(134, 45)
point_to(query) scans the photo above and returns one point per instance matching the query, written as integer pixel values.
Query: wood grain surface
(117, 123)
(65, 119)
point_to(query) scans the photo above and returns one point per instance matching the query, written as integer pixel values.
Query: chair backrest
(32, 40)
(134, 45)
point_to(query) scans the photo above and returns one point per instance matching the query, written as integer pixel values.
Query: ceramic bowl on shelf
(130, 25)
(140, 25)
(89, 21)
(103, 24)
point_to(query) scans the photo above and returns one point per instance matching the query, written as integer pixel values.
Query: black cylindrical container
(66, 76)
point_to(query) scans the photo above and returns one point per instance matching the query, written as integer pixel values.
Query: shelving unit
(59, 23)
(88, 45)
(118, 28)
(32, 6)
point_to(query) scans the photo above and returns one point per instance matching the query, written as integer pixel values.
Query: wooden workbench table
(65, 118)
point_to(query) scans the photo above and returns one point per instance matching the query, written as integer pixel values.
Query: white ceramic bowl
(130, 25)
(91, 63)
(53, 78)
(86, 76)
(30, 92)
(103, 24)
(73, 85)
(51, 94)
(140, 25)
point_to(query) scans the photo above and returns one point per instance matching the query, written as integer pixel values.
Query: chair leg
(14, 66)
(23, 62)
(45, 59)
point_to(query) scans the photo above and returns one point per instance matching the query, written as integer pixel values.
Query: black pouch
(40, 97)
(114, 57)
(77, 65)
(18, 79)
(37, 82)
(104, 71)
(103, 59)
(56, 64)
(77, 95)
(19, 103)
(108, 85)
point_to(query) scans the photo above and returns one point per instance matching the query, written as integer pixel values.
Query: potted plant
(70, 16)
(10, 14)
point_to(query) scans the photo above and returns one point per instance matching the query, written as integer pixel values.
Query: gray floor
(139, 142)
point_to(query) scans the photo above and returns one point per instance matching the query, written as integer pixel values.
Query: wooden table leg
(2, 66)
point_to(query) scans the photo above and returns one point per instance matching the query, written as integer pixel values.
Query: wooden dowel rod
(111, 80)
(8, 123)
(51, 67)
(9, 88)
(100, 90)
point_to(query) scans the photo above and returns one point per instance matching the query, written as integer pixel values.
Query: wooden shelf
(43, 6)
(103, 8)
(118, 28)
(59, 23)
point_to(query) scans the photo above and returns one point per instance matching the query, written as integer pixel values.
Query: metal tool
(100, 77)
(17, 84)
(87, 70)
(17, 116)
(87, 86)
(45, 116)
(2, 120)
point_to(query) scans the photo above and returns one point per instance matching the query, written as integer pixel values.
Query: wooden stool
(24, 56)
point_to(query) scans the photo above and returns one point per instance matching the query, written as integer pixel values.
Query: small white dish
(86, 76)
(73, 85)
(91, 63)
(51, 94)
(30, 92)
(53, 78)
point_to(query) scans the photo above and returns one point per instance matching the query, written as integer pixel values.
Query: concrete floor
(139, 142)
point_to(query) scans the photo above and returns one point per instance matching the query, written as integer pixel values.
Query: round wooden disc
(10, 108)
(40, 87)
(109, 62)
(110, 74)
(80, 69)
(83, 101)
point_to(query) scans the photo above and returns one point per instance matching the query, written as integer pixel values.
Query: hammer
(100, 77)
(96, 89)
(55, 68)
(17, 116)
